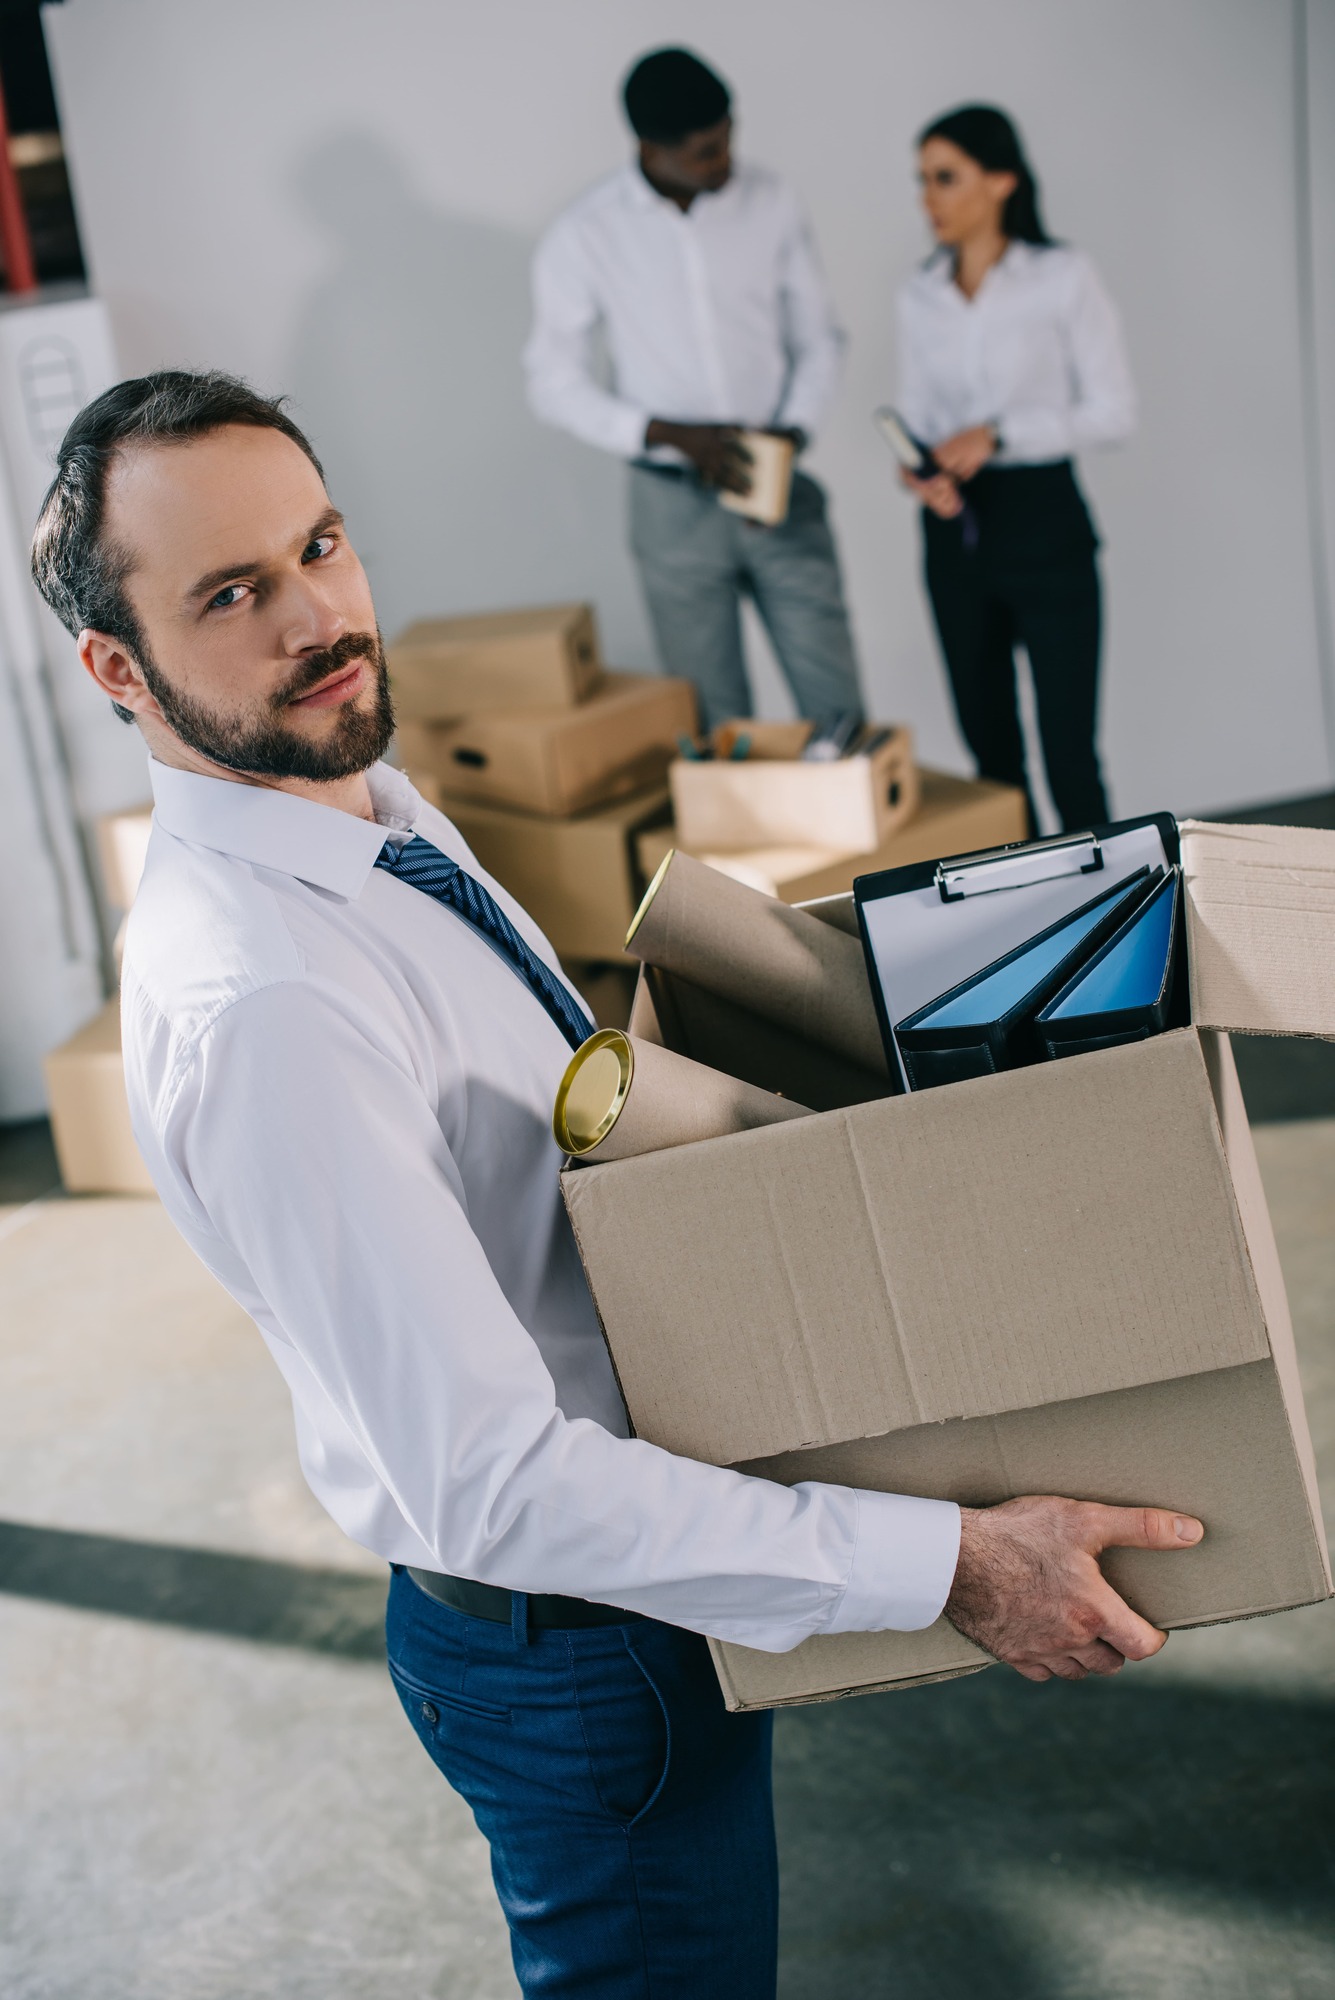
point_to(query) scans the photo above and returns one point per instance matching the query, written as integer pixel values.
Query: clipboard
(927, 928)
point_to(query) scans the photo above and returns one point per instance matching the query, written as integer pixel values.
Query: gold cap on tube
(592, 1092)
(650, 893)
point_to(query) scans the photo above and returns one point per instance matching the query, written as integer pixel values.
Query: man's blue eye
(321, 546)
(228, 595)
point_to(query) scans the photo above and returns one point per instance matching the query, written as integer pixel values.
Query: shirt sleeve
(559, 357)
(312, 1145)
(813, 336)
(1102, 405)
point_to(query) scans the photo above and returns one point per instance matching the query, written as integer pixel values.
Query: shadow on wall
(406, 365)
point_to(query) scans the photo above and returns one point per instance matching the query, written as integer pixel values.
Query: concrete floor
(209, 1791)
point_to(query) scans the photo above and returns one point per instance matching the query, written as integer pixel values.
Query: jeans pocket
(423, 1703)
(627, 1732)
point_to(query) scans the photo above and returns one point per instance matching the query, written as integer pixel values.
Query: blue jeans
(628, 1814)
(697, 560)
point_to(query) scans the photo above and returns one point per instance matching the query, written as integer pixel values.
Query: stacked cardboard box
(548, 763)
(85, 1082)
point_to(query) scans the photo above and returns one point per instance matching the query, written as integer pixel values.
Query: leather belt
(487, 1600)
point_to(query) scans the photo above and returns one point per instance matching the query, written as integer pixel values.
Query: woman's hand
(967, 452)
(939, 494)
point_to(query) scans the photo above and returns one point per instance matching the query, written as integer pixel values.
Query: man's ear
(116, 672)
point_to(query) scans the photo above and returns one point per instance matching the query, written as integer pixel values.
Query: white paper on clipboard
(923, 946)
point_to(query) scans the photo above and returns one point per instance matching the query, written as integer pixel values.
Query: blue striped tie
(424, 867)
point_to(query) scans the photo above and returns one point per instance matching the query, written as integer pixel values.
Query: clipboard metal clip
(1018, 866)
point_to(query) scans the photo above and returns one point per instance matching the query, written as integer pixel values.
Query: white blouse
(1038, 351)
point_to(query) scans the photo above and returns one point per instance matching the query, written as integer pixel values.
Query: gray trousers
(697, 560)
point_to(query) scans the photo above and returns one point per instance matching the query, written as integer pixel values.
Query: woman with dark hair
(1011, 361)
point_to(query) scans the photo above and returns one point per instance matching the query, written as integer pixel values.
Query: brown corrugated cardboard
(1060, 1279)
(559, 760)
(954, 816)
(122, 844)
(1261, 927)
(577, 877)
(770, 798)
(543, 657)
(90, 1114)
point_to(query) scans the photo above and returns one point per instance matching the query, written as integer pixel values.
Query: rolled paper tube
(752, 949)
(621, 1096)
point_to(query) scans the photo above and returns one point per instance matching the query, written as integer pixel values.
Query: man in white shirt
(703, 281)
(342, 1042)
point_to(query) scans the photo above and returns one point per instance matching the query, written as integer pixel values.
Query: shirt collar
(643, 195)
(317, 844)
(939, 269)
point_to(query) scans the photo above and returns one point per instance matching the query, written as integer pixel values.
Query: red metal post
(15, 242)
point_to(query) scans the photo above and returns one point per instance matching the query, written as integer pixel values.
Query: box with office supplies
(559, 760)
(542, 657)
(1058, 1277)
(765, 784)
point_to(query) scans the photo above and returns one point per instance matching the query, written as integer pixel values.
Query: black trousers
(1026, 575)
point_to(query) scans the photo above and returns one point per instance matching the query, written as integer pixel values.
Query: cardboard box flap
(1021, 1240)
(1261, 927)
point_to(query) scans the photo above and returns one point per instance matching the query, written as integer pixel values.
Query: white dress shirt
(718, 315)
(1037, 351)
(344, 1097)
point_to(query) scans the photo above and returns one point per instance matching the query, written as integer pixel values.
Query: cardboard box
(122, 846)
(577, 878)
(90, 1114)
(1059, 1279)
(546, 657)
(559, 760)
(954, 816)
(771, 798)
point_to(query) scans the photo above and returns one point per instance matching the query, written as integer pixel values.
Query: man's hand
(1028, 1588)
(715, 450)
(939, 494)
(967, 452)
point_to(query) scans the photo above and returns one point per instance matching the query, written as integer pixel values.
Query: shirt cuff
(903, 1564)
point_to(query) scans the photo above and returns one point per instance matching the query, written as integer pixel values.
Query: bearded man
(342, 1043)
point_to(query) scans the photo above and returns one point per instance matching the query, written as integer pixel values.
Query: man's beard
(258, 744)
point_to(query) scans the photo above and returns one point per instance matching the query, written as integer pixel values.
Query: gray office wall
(340, 201)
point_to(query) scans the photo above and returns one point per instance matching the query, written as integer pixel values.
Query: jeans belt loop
(519, 1617)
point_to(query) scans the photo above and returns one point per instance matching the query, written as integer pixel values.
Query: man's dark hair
(670, 94)
(78, 571)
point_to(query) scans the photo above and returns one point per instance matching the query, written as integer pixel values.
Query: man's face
(260, 651)
(700, 164)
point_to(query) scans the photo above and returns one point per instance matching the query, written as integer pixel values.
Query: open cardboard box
(771, 798)
(1060, 1279)
(953, 815)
